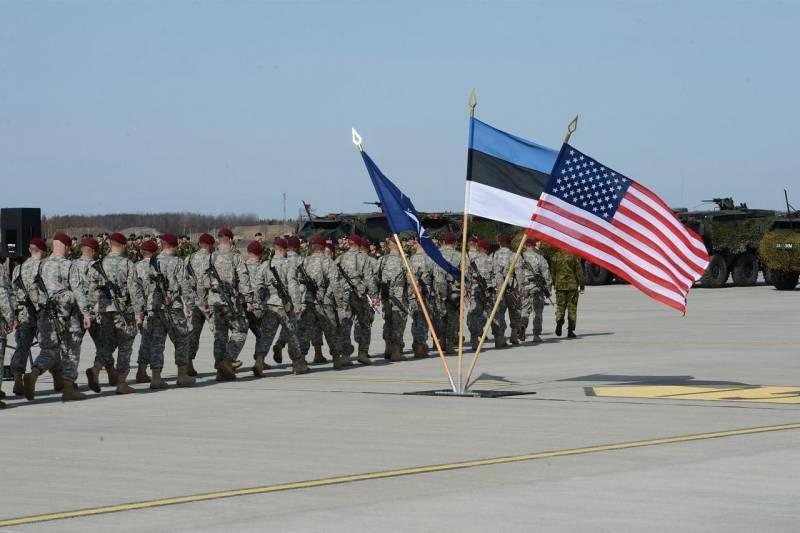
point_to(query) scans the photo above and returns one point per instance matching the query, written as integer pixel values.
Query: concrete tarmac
(298, 440)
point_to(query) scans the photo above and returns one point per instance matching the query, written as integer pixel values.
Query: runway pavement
(650, 421)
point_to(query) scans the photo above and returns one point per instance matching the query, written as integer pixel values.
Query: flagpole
(421, 303)
(573, 125)
(473, 102)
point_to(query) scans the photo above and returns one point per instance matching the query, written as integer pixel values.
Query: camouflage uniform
(363, 330)
(7, 312)
(394, 288)
(533, 275)
(254, 318)
(293, 260)
(26, 314)
(482, 301)
(195, 265)
(568, 281)
(230, 325)
(84, 264)
(60, 343)
(448, 291)
(185, 250)
(143, 276)
(166, 318)
(117, 326)
(355, 300)
(321, 309)
(275, 312)
(422, 267)
(501, 262)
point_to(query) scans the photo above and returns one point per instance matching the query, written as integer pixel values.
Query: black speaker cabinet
(18, 225)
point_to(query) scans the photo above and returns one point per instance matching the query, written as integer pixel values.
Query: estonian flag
(402, 215)
(505, 174)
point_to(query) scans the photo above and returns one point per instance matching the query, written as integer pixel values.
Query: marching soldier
(448, 290)
(253, 263)
(63, 310)
(196, 264)
(359, 294)
(279, 294)
(482, 290)
(149, 249)
(170, 301)
(394, 289)
(422, 267)
(318, 275)
(27, 298)
(119, 303)
(224, 285)
(8, 320)
(533, 278)
(362, 331)
(89, 248)
(501, 262)
(569, 283)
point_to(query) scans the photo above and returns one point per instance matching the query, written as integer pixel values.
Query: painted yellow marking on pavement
(149, 504)
(367, 379)
(742, 393)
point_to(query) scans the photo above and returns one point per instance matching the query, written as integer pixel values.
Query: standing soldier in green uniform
(569, 283)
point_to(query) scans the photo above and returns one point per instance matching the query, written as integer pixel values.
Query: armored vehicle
(780, 252)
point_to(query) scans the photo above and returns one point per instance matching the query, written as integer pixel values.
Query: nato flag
(402, 216)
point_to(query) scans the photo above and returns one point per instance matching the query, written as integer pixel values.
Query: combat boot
(513, 339)
(29, 382)
(71, 393)
(190, 371)
(226, 369)
(58, 382)
(277, 353)
(113, 377)
(559, 327)
(387, 351)
(93, 376)
(141, 374)
(500, 341)
(397, 354)
(537, 338)
(419, 351)
(521, 335)
(19, 387)
(299, 367)
(122, 384)
(345, 361)
(236, 364)
(259, 366)
(319, 359)
(363, 358)
(184, 379)
(473, 342)
(571, 334)
(157, 383)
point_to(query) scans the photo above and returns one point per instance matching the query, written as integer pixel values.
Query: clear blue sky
(221, 106)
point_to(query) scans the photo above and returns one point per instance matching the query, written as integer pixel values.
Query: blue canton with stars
(583, 182)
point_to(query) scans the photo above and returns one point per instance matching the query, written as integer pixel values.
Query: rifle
(50, 307)
(313, 288)
(482, 285)
(538, 280)
(386, 293)
(19, 284)
(283, 293)
(162, 286)
(221, 287)
(113, 292)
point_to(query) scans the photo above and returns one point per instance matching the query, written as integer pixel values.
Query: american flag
(606, 218)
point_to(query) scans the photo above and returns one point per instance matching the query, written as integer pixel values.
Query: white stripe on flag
(497, 204)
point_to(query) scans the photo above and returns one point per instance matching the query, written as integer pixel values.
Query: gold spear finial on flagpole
(357, 140)
(473, 102)
(571, 129)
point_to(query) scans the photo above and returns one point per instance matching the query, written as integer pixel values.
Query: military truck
(779, 250)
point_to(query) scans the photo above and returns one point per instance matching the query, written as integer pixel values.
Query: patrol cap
(225, 232)
(504, 238)
(118, 238)
(63, 238)
(205, 238)
(170, 239)
(279, 242)
(255, 248)
(90, 242)
(318, 239)
(39, 243)
(483, 244)
(293, 241)
(149, 246)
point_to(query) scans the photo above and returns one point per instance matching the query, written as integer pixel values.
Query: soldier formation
(293, 296)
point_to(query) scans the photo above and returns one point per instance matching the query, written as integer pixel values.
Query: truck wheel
(745, 270)
(716, 274)
(783, 281)
(596, 275)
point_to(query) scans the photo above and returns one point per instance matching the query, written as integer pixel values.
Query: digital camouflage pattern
(394, 289)
(26, 332)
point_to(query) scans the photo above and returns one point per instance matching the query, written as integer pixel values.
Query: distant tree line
(177, 223)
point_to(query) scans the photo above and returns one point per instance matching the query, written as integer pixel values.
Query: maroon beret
(483, 244)
(149, 246)
(504, 238)
(448, 237)
(118, 238)
(293, 242)
(205, 238)
(356, 239)
(63, 238)
(318, 239)
(39, 243)
(473, 239)
(330, 245)
(90, 242)
(531, 242)
(255, 248)
(170, 239)
(225, 232)
(279, 242)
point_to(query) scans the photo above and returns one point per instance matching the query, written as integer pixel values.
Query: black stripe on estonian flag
(500, 174)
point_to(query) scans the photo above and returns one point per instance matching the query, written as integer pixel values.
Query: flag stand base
(470, 393)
